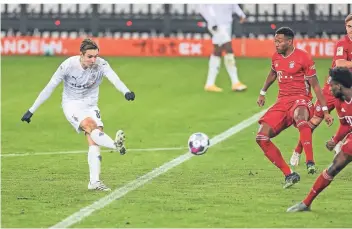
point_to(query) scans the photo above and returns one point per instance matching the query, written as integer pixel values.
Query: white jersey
(80, 85)
(220, 14)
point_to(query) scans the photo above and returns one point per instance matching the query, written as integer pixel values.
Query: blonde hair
(87, 44)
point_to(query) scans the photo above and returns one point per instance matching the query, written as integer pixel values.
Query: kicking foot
(120, 142)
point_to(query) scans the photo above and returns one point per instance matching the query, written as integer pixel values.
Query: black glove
(130, 95)
(27, 116)
(215, 28)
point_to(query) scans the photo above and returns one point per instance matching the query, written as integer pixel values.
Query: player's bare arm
(343, 130)
(343, 63)
(313, 81)
(270, 79)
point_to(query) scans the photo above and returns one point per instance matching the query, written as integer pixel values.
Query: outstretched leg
(340, 161)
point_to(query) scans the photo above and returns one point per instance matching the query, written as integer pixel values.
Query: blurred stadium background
(165, 20)
(44, 166)
(165, 25)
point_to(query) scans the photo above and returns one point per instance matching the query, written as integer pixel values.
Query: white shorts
(76, 112)
(222, 35)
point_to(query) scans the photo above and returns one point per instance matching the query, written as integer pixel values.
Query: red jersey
(344, 111)
(293, 72)
(343, 50)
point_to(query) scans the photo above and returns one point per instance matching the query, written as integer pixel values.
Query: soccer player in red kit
(295, 72)
(342, 58)
(341, 88)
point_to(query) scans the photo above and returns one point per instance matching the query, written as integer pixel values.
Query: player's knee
(88, 125)
(300, 118)
(330, 172)
(229, 59)
(341, 160)
(301, 113)
(262, 139)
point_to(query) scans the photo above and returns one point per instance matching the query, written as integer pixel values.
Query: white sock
(213, 70)
(94, 160)
(102, 139)
(338, 147)
(231, 68)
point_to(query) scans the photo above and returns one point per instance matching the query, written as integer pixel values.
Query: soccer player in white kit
(219, 23)
(82, 75)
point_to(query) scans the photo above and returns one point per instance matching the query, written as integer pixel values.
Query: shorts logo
(318, 108)
(292, 64)
(343, 110)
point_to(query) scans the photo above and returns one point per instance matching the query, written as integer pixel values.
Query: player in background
(295, 72)
(342, 58)
(341, 88)
(82, 75)
(219, 22)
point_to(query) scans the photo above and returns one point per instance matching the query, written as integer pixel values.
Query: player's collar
(293, 50)
(348, 102)
(349, 37)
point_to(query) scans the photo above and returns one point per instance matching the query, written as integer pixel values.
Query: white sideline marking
(85, 151)
(120, 192)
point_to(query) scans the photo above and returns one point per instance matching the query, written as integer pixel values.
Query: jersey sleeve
(309, 66)
(113, 77)
(344, 127)
(50, 87)
(341, 51)
(208, 13)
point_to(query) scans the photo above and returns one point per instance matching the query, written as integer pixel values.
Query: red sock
(305, 136)
(273, 153)
(299, 147)
(320, 184)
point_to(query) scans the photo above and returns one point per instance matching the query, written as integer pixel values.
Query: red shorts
(330, 102)
(347, 145)
(280, 115)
